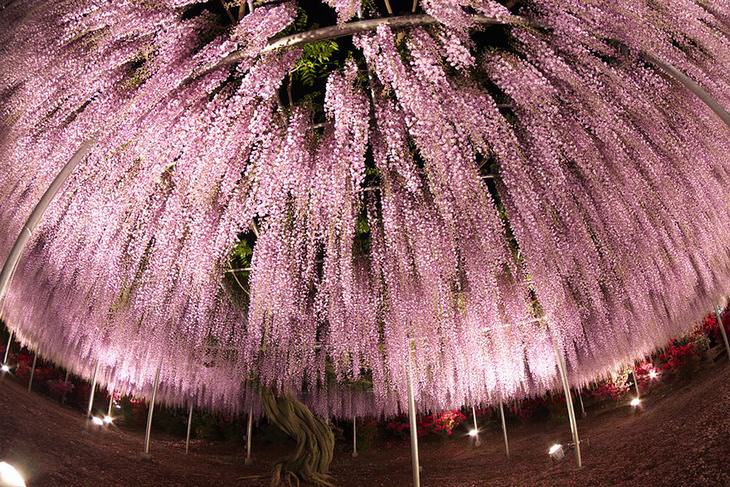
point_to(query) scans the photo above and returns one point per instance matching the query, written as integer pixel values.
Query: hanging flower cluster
(448, 213)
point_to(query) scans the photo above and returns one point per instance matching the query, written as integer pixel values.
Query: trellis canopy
(469, 189)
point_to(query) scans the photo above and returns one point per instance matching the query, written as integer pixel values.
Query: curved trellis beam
(11, 263)
(690, 84)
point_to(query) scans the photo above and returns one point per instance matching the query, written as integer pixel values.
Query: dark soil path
(682, 437)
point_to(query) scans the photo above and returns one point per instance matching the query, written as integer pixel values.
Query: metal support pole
(190, 423)
(7, 348)
(477, 441)
(414, 428)
(93, 389)
(569, 401)
(32, 371)
(504, 429)
(65, 383)
(249, 433)
(636, 383)
(111, 402)
(354, 436)
(151, 411)
(718, 313)
(580, 400)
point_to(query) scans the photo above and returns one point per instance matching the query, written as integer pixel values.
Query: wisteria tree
(331, 200)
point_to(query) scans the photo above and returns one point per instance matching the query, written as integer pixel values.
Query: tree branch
(404, 21)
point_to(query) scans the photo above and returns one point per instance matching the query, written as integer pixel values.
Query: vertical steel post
(32, 371)
(580, 400)
(569, 402)
(190, 422)
(7, 348)
(111, 402)
(151, 411)
(249, 433)
(504, 429)
(477, 441)
(93, 389)
(354, 436)
(415, 464)
(65, 383)
(636, 383)
(718, 314)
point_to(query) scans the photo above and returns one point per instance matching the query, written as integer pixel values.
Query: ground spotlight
(5, 368)
(556, 451)
(473, 433)
(108, 419)
(635, 402)
(97, 421)
(653, 374)
(9, 477)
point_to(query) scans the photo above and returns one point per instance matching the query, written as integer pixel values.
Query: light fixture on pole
(556, 451)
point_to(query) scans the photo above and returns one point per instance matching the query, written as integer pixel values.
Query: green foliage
(241, 253)
(316, 62)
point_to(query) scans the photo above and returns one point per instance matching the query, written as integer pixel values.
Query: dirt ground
(682, 437)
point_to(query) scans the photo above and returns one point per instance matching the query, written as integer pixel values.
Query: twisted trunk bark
(315, 442)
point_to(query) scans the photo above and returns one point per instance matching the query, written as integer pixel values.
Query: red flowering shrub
(609, 390)
(57, 388)
(441, 423)
(447, 421)
(530, 408)
(677, 355)
(711, 328)
(398, 426)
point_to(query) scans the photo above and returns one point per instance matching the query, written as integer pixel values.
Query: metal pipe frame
(7, 348)
(415, 464)
(249, 433)
(11, 263)
(354, 437)
(111, 402)
(569, 402)
(477, 440)
(150, 411)
(190, 423)
(580, 400)
(93, 389)
(32, 371)
(504, 429)
(718, 314)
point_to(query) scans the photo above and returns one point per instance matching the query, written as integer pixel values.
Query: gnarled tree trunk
(315, 442)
